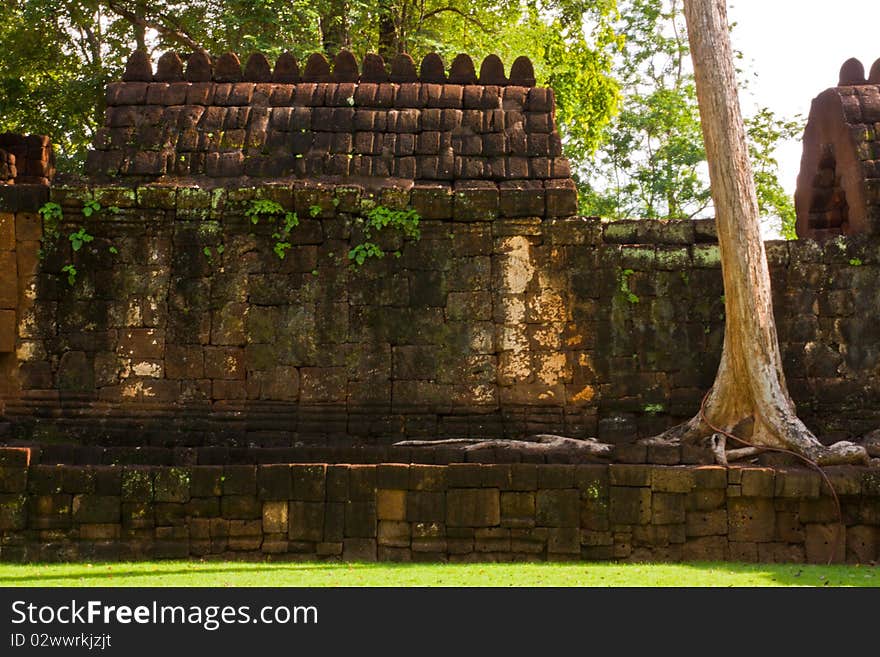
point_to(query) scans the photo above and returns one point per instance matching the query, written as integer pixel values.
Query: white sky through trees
(796, 48)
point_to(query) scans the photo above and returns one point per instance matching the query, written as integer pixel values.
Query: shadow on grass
(97, 571)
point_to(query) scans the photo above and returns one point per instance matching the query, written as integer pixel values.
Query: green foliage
(652, 163)
(765, 131)
(377, 219)
(272, 211)
(90, 208)
(314, 211)
(628, 294)
(71, 272)
(649, 164)
(51, 214)
(58, 56)
(855, 262)
(653, 409)
(78, 238)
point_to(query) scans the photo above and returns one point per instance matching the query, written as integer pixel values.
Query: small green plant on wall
(52, 216)
(284, 221)
(627, 293)
(377, 219)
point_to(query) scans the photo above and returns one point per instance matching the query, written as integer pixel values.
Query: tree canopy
(626, 102)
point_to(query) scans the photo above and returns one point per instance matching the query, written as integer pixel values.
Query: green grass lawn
(208, 573)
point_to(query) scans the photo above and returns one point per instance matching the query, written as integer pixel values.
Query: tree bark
(389, 39)
(750, 382)
(334, 27)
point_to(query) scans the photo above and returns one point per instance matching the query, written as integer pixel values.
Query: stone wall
(183, 327)
(460, 512)
(219, 123)
(838, 187)
(26, 159)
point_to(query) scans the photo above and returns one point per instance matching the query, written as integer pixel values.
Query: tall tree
(750, 385)
(652, 163)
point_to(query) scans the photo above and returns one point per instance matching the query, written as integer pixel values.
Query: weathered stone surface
(466, 507)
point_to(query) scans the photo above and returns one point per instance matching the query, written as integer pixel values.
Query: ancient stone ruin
(838, 190)
(213, 344)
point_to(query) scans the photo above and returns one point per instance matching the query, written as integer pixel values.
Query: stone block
(96, 509)
(630, 506)
(359, 549)
(393, 533)
(558, 508)
(667, 508)
(275, 517)
(427, 477)
(13, 512)
(799, 483)
(824, 541)
(391, 504)
(306, 521)
(360, 520)
(206, 481)
(13, 480)
(309, 482)
(751, 519)
(472, 507)
(672, 479)
(241, 507)
(171, 485)
(758, 482)
(274, 482)
(425, 506)
(239, 480)
(629, 475)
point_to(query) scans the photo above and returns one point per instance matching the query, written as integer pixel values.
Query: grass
(207, 573)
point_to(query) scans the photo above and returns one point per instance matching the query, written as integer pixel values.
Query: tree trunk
(750, 383)
(388, 38)
(334, 27)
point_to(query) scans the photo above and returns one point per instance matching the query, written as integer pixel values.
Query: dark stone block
(239, 480)
(286, 69)
(522, 198)
(306, 521)
(274, 482)
(317, 69)
(241, 507)
(403, 69)
(462, 71)
(492, 71)
(96, 509)
(308, 482)
(630, 506)
(558, 508)
(169, 68)
(257, 68)
(138, 68)
(467, 507)
(374, 69)
(345, 67)
(522, 73)
(432, 69)
(360, 520)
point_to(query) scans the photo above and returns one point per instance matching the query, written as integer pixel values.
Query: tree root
(791, 437)
(540, 443)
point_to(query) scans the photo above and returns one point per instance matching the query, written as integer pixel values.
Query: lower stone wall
(456, 512)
